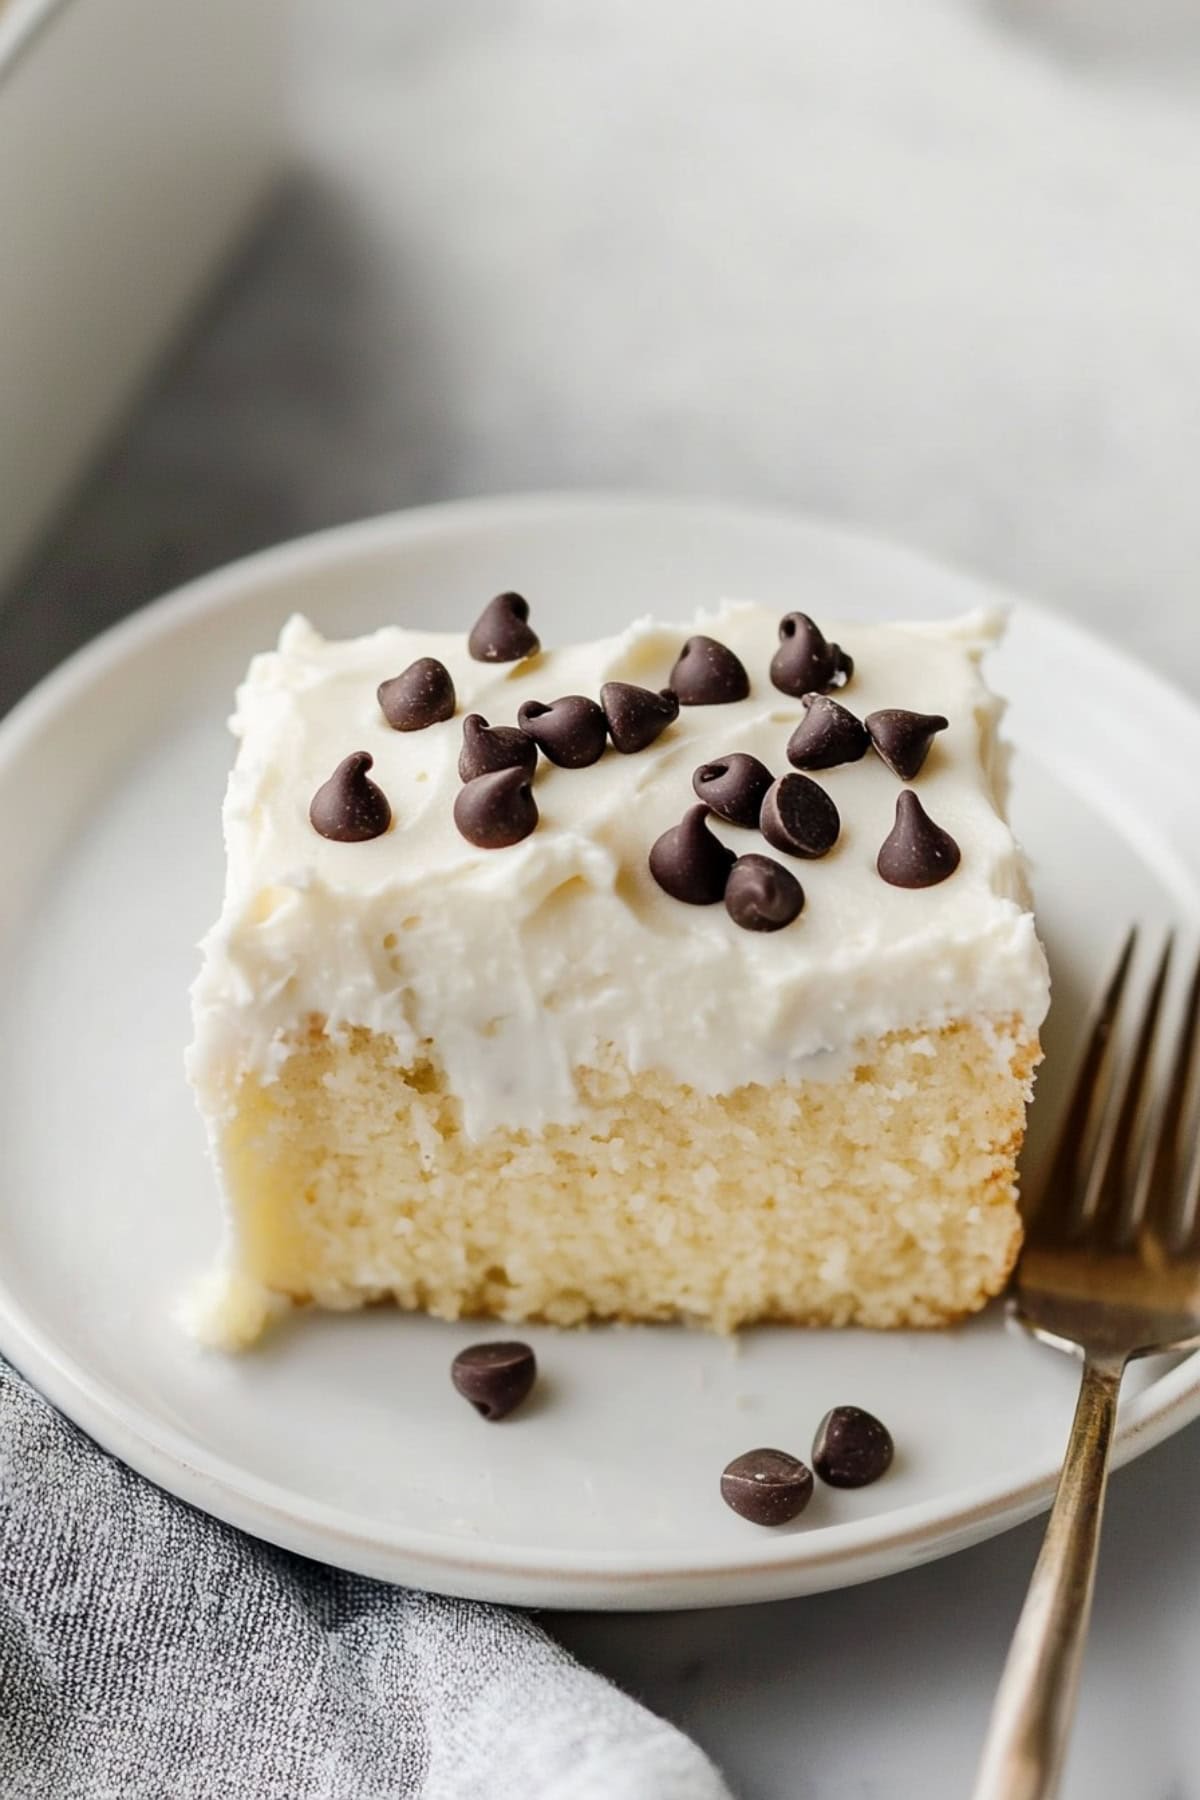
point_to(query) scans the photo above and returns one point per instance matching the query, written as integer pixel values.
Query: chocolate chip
(502, 632)
(799, 817)
(495, 1378)
(733, 787)
(903, 738)
(804, 662)
(348, 808)
(572, 731)
(827, 735)
(851, 1449)
(689, 863)
(916, 853)
(423, 695)
(768, 1487)
(636, 715)
(708, 674)
(761, 895)
(487, 748)
(493, 811)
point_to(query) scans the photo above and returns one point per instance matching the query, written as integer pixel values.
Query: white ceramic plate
(341, 1437)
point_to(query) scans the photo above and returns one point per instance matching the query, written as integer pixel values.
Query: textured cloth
(147, 1650)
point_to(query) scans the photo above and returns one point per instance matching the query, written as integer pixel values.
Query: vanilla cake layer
(883, 1195)
(529, 1082)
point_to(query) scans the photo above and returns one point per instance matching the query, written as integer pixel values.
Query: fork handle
(1027, 1737)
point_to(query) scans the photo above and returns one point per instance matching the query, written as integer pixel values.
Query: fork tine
(1114, 1199)
(1168, 1175)
(1185, 1241)
(1051, 1209)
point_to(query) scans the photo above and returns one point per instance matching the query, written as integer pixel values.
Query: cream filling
(521, 964)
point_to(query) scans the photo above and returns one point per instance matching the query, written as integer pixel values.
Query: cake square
(534, 1045)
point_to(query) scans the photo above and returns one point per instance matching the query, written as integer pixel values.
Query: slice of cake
(685, 974)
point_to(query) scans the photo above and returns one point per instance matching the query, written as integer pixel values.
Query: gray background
(929, 266)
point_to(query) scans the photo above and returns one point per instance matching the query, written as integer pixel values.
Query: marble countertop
(930, 268)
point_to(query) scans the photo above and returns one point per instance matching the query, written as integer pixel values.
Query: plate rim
(840, 1554)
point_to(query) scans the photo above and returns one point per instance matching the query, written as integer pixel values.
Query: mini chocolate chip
(571, 732)
(488, 748)
(799, 817)
(348, 808)
(903, 738)
(636, 715)
(502, 632)
(768, 1487)
(852, 1448)
(805, 663)
(494, 811)
(827, 735)
(916, 853)
(495, 1378)
(423, 695)
(689, 863)
(761, 895)
(708, 674)
(734, 787)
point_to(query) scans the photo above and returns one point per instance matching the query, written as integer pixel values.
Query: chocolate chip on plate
(805, 663)
(502, 632)
(707, 673)
(571, 732)
(636, 715)
(827, 735)
(689, 863)
(761, 895)
(495, 1378)
(422, 695)
(733, 787)
(487, 748)
(348, 807)
(916, 853)
(902, 738)
(852, 1448)
(799, 817)
(768, 1487)
(494, 811)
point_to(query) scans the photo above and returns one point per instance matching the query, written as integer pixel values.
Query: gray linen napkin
(147, 1650)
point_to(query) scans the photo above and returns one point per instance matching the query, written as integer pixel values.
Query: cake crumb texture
(882, 1196)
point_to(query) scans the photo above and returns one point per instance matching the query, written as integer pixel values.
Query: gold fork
(1110, 1271)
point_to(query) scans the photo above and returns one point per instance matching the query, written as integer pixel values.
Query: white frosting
(522, 964)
